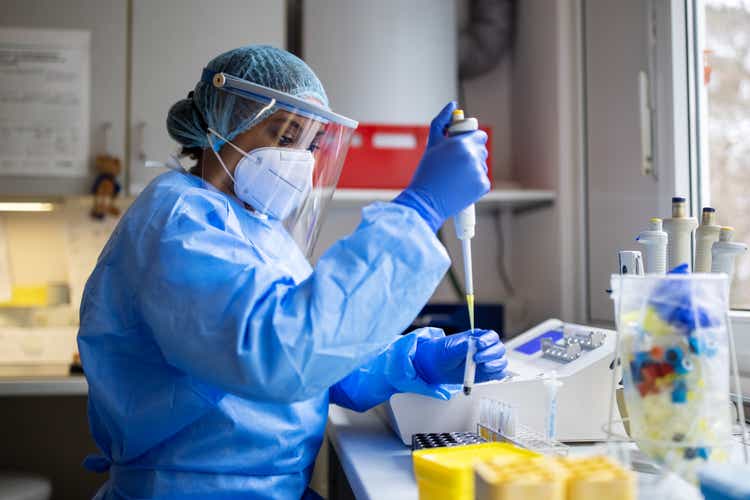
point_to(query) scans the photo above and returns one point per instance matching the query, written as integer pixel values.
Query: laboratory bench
(374, 462)
(366, 460)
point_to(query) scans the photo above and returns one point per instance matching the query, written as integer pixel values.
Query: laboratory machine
(579, 360)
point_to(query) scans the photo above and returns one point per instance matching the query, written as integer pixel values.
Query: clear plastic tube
(552, 385)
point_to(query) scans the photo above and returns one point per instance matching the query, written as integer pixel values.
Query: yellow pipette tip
(470, 305)
(469, 362)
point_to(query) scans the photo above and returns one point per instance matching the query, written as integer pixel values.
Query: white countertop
(375, 461)
(378, 465)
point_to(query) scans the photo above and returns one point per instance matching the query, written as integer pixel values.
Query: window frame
(700, 187)
(678, 116)
(675, 125)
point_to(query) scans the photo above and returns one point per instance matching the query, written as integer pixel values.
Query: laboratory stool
(15, 486)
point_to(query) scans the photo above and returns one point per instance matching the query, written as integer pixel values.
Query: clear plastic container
(674, 348)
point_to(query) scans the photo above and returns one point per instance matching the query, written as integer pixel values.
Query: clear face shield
(292, 154)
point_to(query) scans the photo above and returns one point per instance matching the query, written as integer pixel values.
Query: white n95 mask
(273, 180)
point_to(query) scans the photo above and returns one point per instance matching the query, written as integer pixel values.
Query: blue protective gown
(212, 348)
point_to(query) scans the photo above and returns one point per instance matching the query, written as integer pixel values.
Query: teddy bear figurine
(106, 187)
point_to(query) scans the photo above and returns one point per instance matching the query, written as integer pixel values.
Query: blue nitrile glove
(451, 175)
(441, 360)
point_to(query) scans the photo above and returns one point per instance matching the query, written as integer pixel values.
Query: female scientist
(211, 346)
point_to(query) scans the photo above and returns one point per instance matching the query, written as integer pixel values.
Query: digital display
(535, 345)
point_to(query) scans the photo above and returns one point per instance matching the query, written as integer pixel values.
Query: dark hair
(182, 118)
(194, 153)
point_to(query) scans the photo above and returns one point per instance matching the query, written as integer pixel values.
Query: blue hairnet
(189, 119)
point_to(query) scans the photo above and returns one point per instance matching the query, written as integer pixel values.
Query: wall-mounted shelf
(62, 385)
(515, 199)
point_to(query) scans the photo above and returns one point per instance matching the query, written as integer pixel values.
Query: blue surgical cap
(189, 119)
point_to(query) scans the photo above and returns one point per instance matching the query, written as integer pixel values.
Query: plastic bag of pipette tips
(675, 356)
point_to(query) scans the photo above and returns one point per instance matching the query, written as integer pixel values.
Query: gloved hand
(451, 175)
(442, 360)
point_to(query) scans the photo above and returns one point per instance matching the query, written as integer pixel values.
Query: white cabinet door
(172, 41)
(620, 199)
(107, 21)
(620, 39)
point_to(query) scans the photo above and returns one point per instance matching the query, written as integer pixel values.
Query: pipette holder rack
(498, 422)
(525, 437)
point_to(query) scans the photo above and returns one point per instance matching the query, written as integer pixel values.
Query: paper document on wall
(45, 88)
(5, 284)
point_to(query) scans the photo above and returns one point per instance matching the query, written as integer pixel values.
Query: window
(723, 35)
(698, 121)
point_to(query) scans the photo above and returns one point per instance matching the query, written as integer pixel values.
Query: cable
(462, 96)
(502, 271)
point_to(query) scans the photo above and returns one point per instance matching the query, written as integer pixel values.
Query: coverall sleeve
(389, 373)
(222, 314)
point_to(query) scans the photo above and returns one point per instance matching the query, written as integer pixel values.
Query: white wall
(490, 98)
(38, 241)
(172, 42)
(548, 253)
(387, 61)
(30, 237)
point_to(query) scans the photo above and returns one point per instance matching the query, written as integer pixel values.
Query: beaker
(674, 348)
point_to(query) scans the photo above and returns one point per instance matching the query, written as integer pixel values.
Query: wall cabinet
(107, 21)
(169, 42)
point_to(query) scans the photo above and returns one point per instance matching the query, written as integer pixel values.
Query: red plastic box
(385, 156)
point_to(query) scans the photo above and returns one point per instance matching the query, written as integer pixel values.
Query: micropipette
(679, 229)
(725, 251)
(465, 222)
(654, 240)
(705, 236)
